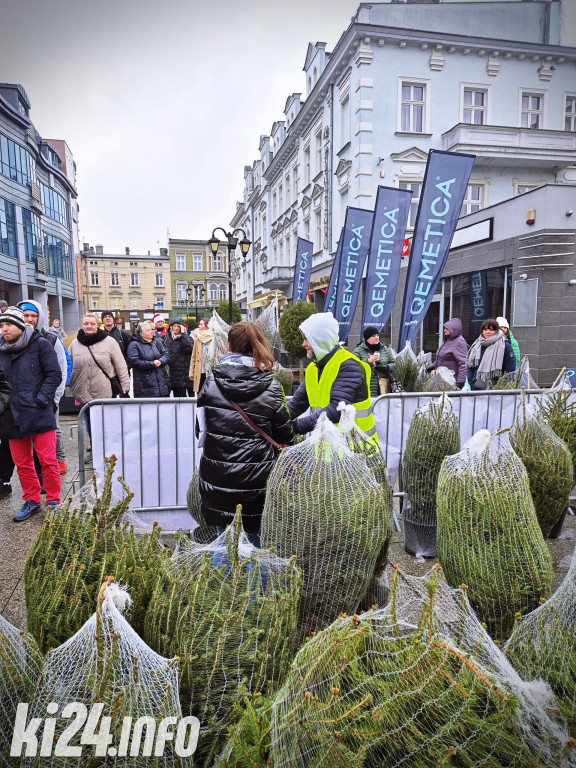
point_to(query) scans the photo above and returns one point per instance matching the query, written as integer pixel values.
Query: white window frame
(213, 292)
(114, 279)
(415, 200)
(180, 291)
(159, 302)
(571, 116)
(217, 263)
(345, 113)
(198, 293)
(307, 169)
(197, 262)
(520, 187)
(95, 302)
(159, 280)
(485, 110)
(94, 279)
(469, 202)
(426, 85)
(180, 262)
(134, 280)
(317, 229)
(318, 149)
(222, 292)
(532, 92)
(295, 182)
(116, 302)
(135, 302)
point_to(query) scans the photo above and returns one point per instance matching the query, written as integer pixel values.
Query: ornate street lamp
(245, 244)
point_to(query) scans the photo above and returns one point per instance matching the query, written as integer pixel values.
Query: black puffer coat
(149, 381)
(236, 460)
(179, 352)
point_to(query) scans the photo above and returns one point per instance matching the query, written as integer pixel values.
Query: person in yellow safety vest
(333, 376)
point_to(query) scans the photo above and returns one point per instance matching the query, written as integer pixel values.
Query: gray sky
(162, 102)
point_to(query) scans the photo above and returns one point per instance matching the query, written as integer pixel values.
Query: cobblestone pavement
(17, 538)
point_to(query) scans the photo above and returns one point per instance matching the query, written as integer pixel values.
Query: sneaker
(53, 504)
(62, 468)
(5, 489)
(30, 508)
(88, 457)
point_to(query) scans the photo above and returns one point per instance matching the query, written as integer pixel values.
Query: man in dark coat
(33, 372)
(118, 334)
(179, 346)
(6, 426)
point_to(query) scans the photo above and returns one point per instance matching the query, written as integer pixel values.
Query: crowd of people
(244, 419)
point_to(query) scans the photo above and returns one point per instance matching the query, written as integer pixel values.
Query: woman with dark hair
(179, 346)
(490, 356)
(236, 459)
(148, 359)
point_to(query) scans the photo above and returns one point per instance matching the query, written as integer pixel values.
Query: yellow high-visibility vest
(319, 391)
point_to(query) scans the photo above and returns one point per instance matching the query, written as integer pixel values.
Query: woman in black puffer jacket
(237, 460)
(148, 357)
(179, 346)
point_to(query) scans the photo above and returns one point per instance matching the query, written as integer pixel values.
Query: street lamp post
(199, 292)
(245, 244)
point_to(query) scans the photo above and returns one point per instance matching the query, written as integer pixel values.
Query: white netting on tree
(441, 379)
(268, 323)
(228, 610)
(20, 667)
(548, 463)
(360, 443)
(558, 406)
(89, 537)
(407, 368)
(488, 535)
(204, 533)
(521, 378)
(543, 645)
(325, 505)
(106, 663)
(219, 344)
(416, 683)
(434, 433)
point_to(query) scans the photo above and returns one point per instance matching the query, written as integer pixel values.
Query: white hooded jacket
(42, 327)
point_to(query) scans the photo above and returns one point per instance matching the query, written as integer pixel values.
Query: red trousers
(44, 443)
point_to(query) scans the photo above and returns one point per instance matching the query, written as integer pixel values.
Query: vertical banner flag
(302, 270)
(385, 254)
(443, 190)
(333, 283)
(355, 242)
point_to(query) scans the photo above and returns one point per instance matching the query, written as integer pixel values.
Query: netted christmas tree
(543, 645)
(20, 667)
(109, 669)
(488, 535)
(204, 533)
(559, 409)
(219, 344)
(548, 463)
(418, 683)
(407, 368)
(80, 543)
(249, 739)
(368, 447)
(518, 379)
(433, 434)
(228, 610)
(326, 505)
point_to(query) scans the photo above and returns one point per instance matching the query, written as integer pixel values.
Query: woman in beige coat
(199, 368)
(96, 357)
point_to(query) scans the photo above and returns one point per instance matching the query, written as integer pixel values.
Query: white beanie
(502, 322)
(321, 330)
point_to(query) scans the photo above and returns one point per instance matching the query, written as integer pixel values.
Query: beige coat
(87, 381)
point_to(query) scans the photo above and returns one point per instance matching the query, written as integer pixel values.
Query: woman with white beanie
(505, 328)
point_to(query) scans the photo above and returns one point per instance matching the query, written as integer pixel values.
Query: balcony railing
(277, 277)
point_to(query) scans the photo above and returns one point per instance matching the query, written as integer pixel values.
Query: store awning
(264, 299)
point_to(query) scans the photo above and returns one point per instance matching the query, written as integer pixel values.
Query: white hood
(322, 332)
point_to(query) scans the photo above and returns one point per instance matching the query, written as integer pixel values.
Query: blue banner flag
(443, 190)
(333, 283)
(355, 242)
(302, 270)
(385, 255)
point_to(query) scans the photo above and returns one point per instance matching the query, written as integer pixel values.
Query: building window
(345, 120)
(318, 229)
(412, 107)
(197, 262)
(213, 292)
(159, 280)
(116, 304)
(287, 184)
(7, 229)
(307, 228)
(295, 182)
(274, 206)
(198, 292)
(217, 262)
(94, 278)
(158, 264)
(114, 278)
(159, 302)
(16, 162)
(134, 279)
(416, 188)
(32, 235)
(180, 262)
(318, 149)
(55, 207)
(520, 187)
(221, 291)
(135, 302)
(474, 106)
(95, 301)
(531, 114)
(58, 255)
(181, 292)
(474, 199)
(570, 113)
(133, 263)
(307, 164)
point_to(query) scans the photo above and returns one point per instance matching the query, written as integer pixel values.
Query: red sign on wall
(406, 248)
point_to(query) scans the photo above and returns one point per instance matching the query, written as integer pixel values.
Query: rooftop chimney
(127, 251)
(86, 246)
(100, 249)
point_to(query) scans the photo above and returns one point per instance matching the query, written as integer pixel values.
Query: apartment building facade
(39, 252)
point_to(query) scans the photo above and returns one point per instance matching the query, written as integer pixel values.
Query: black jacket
(122, 337)
(349, 386)
(236, 460)
(179, 353)
(33, 374)
(149, 380)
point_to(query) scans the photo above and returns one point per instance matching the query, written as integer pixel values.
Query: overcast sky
(162, 102)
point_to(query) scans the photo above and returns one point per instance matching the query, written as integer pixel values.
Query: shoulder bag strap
(98, 364)
(249, 421)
